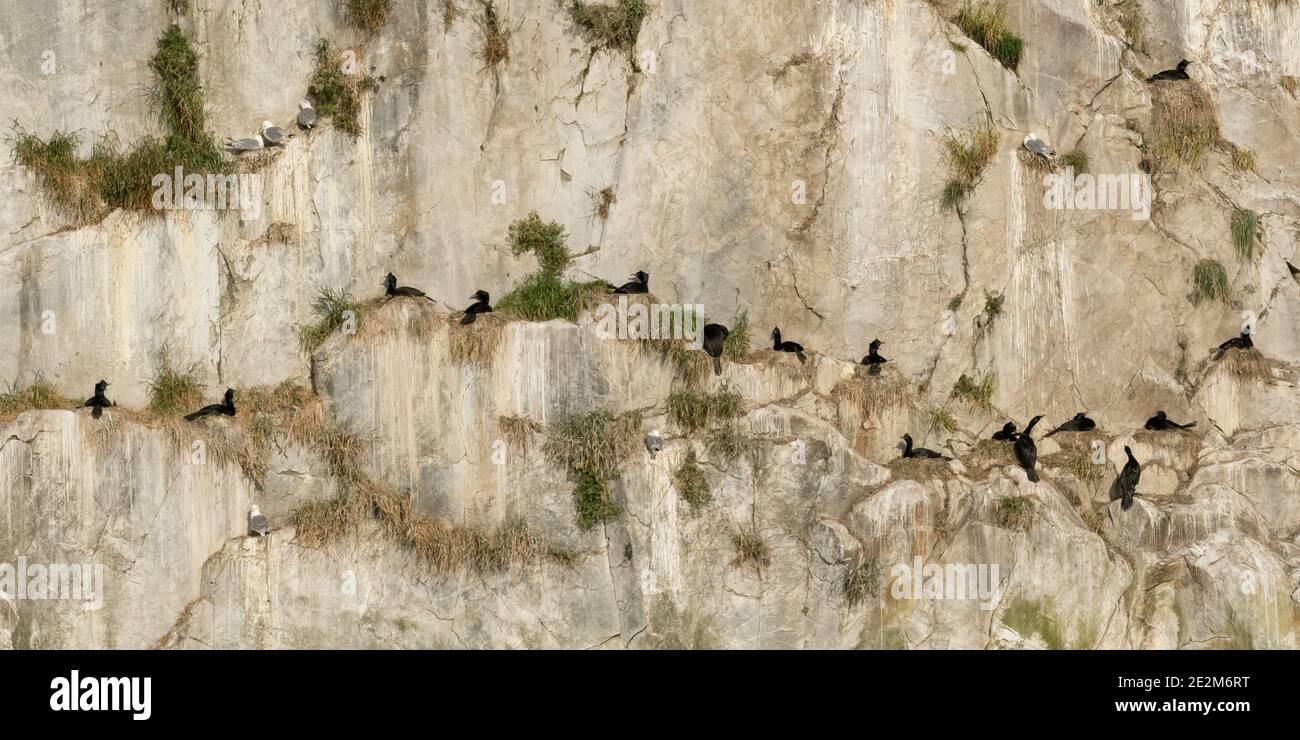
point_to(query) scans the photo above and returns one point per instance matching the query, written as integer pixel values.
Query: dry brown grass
(920, 468)
(871, 394)
(1185, 443)
(475, 344)
(1291, 84)
(988, 454)
(1247, 364)
(750, 548)
(1184, 125)
(517, 430)
(386, 318)
(1014, 512)
(39, 396)
(280, 232)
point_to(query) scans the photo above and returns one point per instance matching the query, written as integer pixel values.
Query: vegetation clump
(967, 155)
(693, 411)
(335, 93)
(367, 16)
(750, 548)
(545, 294)
(592, 447)
(613, 27)
(1246, 232)
(859, 581)
(1209, 282)
(1015, 512)
(691, 483)
(985, 22)
(331, 309)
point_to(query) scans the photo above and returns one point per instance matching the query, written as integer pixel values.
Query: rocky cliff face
(785, 159)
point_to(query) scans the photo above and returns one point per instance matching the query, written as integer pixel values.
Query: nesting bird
(273, 135)
(873, 354)
(1162, 423)
(257, 524)
(1243, 341)
(1080, 423)
(306, 115)
(792, 347)
(482, 304)
(225, 408)
(1007, 433)
(654, 443)
(1172, 74)
(1039, 147)
(241, 146)
(392, 290)
(909, 451)
(640, 284)
(99, 401)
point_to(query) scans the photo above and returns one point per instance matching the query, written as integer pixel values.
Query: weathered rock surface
(734, 108)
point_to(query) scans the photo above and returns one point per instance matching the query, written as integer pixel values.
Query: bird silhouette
(481, 304)
(392, 290)
(1128, 479)
(1242, 341)
(793, 347)
(640, 285)
(1007, 433)
(715, 340)
(1172, 74)
(225, 408)
(99, 401)
(1160, 422)
(1026, 451)
(1080, 423)
(909, 451)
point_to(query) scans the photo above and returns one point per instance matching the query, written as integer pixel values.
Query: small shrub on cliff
(331, 309)
(39, 396)
(173, 390)
(592, 447)
(750, 548)
(985, 23)
(1015, 512)
(859, 581)
(691, 483)
(367, 16)
(1209, 282)
(693, 411)
(1076, 160)
(1246, 231)
(494, 47)
(1184, 125)
(976, 390)
(545, 294)
(336, 94)
(967, 155)
(614, 27)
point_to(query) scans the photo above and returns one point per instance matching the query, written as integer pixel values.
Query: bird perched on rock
(872, 359)
(909, 451)
(240, 146)
(1039, 147)
(1172, 74)
(257, 524)
(225, 408)
(792, 347)
(482, 304)
(715, 340)
(1080, 423)
(306, 115)
(1243, 341)
(99, 401)
(641, 284)
(1161, 423)
(1007, 433)
(273, 135)
(1128, 479)
(653, 443)
(392, 290)
(1026, 451)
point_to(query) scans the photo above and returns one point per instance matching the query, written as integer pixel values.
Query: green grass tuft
(859, 581)
(331, 309)
(976, 390)
(614, 27)
(967, 155)
(986, 24)
(1209, 282)
(39, 396)
(691, 483)
(1015, 512)
(736, 346)
(693, 411)
(173, 390)
(941, 420)
(546, 294)
(1076, 160)
(592, 447)
(177, 93)
(335, 94)
(1246, 231)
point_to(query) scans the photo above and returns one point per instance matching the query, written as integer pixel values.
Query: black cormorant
(1080, 423)
(392, 291)
(1161, 423)
(715, 338)
(909, 451)
(99, 401)
(780, 346)
(225, 408)
(1026, 451)
(1172, 74)
(481, 304)
(1128, 479)
(1238, 342)
(1007, 433)
(640, 285)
